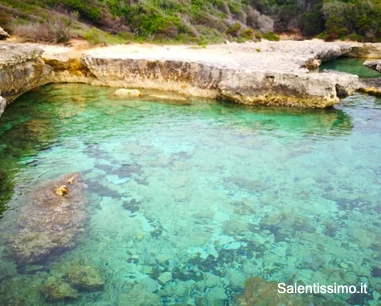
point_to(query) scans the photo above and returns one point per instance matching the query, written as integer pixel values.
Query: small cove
(208, 192)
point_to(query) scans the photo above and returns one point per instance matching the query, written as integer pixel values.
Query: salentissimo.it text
(317, 288)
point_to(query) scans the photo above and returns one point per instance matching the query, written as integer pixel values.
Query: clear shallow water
(350, 65)
(212, 193)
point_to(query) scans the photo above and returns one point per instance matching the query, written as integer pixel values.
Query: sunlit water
(212, 193)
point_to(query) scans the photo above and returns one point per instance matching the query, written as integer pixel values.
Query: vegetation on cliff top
(190, 20)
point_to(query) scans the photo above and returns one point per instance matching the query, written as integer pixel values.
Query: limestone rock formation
(366, 50)
(49, 223)
(21, 69)
(238, 85)
(278, 74)
(375, 65)
(3, 34)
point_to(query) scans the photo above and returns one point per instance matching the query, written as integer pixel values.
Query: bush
(94, 36)
(234, 29)
(311, 24)
(247, 34)
(159, 26)
(271, 36)
(356, 37)
(57, 30)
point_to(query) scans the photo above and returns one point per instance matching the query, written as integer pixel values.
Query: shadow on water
(313, 122)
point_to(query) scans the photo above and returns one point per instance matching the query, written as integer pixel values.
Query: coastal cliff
(266, 73)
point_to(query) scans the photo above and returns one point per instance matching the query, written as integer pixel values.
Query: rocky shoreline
(267, 73)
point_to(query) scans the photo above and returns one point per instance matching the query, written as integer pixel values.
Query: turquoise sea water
(350, 65)
(189, 199)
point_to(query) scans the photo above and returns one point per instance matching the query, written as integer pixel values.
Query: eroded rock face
(21, 69)
(366, 50)
(266, 73)
(242, 86)
(49, 222)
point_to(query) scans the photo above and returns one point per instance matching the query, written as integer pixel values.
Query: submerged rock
(86, 278)
(371, 86)
(56, 290)
(139, 296)
(165, 278)
(49, 223)
(127, 92)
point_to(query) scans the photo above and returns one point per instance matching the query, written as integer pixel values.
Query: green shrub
(271, 36)
(234, 29)
(94, 36)
(247, 34)
(158, 25)
(356, 37)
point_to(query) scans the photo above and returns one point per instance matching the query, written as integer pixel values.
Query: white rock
(217, 293)
(165, 278)
(127, 92)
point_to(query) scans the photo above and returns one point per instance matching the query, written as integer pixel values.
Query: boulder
(375, 65)
(56, 290)
(3, 34)
(127, 93)
(49, 222)
(312, 64)
(85, 278)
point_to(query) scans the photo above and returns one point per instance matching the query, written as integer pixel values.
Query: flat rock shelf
(266, 73)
